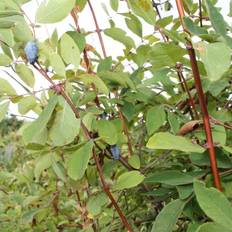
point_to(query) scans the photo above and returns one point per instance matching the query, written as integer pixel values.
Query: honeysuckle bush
(118, 143)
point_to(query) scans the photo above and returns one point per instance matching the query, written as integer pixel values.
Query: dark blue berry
(31, 50)
(115, 151)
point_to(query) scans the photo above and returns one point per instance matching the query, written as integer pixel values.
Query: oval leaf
(214, 204)
(53, 11)
(167, 141)
(79, 160)
(167, 218)
(128, 180)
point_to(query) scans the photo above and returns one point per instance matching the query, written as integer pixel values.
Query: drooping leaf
(53, 11)
(26, 104)
(25, 74)
(5, 60)
(42, 163)
(57, 64)
(6, 88)
(128, 180)
(107, 131)
(3, 110)
(214, 204)
(114, 4)
(79, 160)
(120, 35)
(167, 141)
(144, 9)
(167, 218)
(65, 126)
(36, 132)
(69, 51)
(134, 24)
(156, 117)
(215, 68)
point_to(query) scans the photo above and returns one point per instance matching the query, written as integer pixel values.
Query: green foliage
(114, 132)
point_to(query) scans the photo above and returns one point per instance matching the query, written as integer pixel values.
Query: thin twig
(200, 13)
(186, 89)
(97, 29)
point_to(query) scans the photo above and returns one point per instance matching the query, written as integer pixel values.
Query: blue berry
(115, 151)
(31, 50)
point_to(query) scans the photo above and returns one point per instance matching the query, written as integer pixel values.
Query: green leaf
(144, 9)
(223, 161)
(170, 178)
(59, 170)
(22, 32)
(25, 74)
(57, 64)
(89, 79)
(215, 68)
(7, 37)
(212, 227)
(69, 51)
(128, 180)
(52, 11)
(42, 163)
(36, 132)
(156, 117)
(6, 88)
(163, 55)
(167, 218)
(167, 141)
(134, 161)
(81, 4)
(114, 4)
(120, 36)
(95, 203)
(134, 25)
(26, 104)
(9, 13)
(78, 38)
(107, 131)
(174, 123)
(79, 160)
(218, 22)
(3, 110)
(193, 28)
(184, 191)
(64, 118)
(5, 60)
(117, 78)
(105, 64)
(214, 204)
(6, 24)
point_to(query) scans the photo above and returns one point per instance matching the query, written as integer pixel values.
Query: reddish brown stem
(206, 118)
(88, 136)
(205, 114)
(97, 29)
